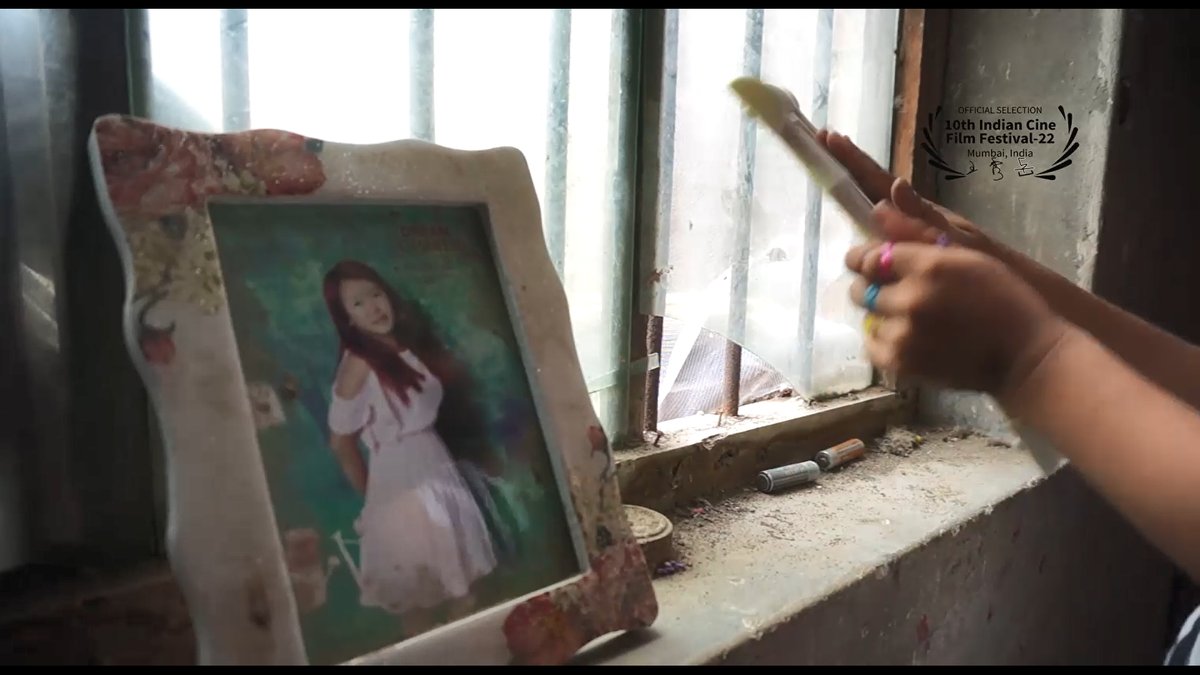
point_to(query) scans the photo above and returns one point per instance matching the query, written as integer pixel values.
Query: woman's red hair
(460, 422)
(393, 372)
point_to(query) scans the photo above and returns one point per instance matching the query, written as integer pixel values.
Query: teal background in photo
(273, 259)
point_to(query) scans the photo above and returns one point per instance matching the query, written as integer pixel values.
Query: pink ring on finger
(885, 262)
(943, 240)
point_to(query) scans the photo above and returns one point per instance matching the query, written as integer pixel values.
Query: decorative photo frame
(293, 304)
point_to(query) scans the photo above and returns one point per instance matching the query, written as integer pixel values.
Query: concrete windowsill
(757, 561)
(698, 458)
(960, 553)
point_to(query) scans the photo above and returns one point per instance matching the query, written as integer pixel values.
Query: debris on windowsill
(898, 441)
(697, 509)
(904, 441)
(818, 399)
(860, 496)
(753, 562)
(670, 567)
(963, 433)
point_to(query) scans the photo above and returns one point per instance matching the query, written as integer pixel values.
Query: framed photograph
(380, 446)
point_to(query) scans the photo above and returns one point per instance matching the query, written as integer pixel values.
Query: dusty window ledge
(757, 561)
(695, 458)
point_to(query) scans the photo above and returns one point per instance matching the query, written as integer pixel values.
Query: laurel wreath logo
(939, 162)
(935, 158)
(1070, 147)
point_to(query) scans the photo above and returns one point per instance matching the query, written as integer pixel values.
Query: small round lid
(645, 523)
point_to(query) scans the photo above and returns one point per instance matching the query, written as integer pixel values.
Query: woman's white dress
(422, 537)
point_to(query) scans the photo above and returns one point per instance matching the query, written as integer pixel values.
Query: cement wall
(1045, 58)
(1050, 577)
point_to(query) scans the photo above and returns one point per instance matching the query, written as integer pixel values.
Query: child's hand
(951, 316)
(916, 218)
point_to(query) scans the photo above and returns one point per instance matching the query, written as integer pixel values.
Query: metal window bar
(747, 145)
(822, 68)
(235, 70)
(554, 218)
(656, 191)
(623, 107)
(878, 81)
(14, 371)
(139, 75)
(875, 128)
(420, 83)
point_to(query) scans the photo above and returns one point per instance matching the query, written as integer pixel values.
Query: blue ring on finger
(870, 297)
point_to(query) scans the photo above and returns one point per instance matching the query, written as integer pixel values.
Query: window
(658, 201)
(747, 248)
(659, 197)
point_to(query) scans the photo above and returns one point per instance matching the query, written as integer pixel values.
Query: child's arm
(1162, 357)
(348, 414)
(1135, 443)
(1165, 359)
(345, 449)
(962, 319)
